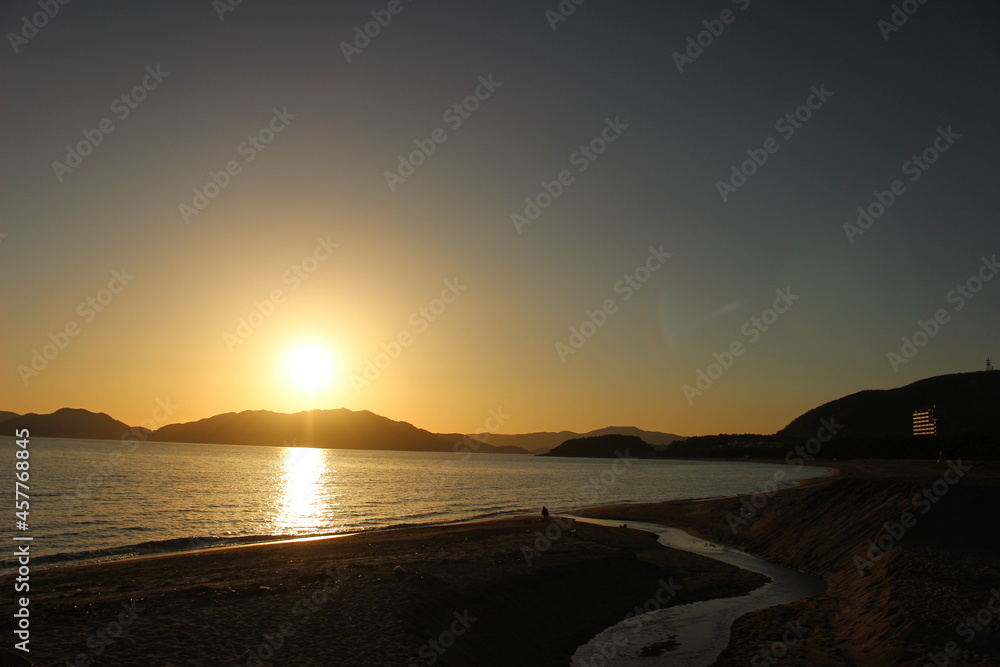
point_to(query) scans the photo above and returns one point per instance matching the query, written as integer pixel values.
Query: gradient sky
(323, 176)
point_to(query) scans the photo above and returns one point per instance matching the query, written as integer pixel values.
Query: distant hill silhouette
(69, 423)
(481, 444)
(603, 446)
(650, 437)
(541, 442)
(533, 442)
(969, 402)
(341, 429)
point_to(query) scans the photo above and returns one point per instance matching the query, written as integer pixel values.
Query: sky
(571, 216)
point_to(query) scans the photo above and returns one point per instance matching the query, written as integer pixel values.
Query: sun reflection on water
(301, 506)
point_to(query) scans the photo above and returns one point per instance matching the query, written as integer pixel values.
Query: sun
(310, 367)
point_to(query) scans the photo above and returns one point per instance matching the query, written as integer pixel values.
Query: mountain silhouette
(603, 446)
(480, 443)
(967, 402)
(542, 442)
(340, 429)
(69, 423)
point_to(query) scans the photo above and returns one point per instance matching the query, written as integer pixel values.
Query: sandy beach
(342, 602)
(466, 594)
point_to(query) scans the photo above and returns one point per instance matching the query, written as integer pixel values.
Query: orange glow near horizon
(477, 355)
(174, 258)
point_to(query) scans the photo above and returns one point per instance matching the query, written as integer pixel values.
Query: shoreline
(151, 549)
(224, 601)
(368, 599)
(899, 605)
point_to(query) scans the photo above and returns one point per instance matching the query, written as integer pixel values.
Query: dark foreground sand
(212, 608)
(470, 588)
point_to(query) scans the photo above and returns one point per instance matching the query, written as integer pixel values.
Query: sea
(94, 500)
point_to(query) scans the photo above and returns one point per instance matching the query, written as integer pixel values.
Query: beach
(339, 602)
(529, 590)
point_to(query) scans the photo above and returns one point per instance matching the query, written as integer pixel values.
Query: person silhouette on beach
(545, 511)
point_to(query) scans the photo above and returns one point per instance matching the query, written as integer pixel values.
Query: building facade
(924, 422)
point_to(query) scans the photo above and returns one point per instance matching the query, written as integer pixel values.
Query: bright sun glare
(310, 367)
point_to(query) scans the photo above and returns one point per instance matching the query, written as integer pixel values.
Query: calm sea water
(104, 499)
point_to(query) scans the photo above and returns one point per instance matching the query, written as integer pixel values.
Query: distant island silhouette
(339, 428)
(604, 446)
(867, 424)
(70, 423)
(541, 442)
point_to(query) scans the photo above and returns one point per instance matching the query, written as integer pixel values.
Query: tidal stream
(691, 635)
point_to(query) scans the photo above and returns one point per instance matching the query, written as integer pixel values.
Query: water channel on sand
(694, 634)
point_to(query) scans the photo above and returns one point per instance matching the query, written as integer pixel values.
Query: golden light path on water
(302, 505)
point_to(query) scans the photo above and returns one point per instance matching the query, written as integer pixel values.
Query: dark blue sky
(508, 338)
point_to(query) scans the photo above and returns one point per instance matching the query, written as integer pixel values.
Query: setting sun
(310, 367)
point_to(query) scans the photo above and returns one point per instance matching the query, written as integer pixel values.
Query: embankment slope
(907, 602)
